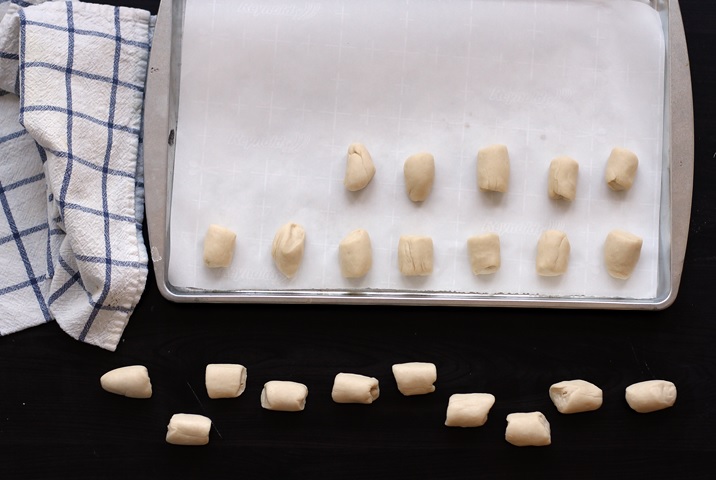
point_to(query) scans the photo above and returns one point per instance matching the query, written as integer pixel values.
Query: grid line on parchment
(273, 76)
(204, 139)
(597, 54)
(463, 154)
(334, 148)
(404, 56)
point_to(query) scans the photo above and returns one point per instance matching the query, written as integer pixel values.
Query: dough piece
(132, 381)
(225, 380)
(562, 183)
(621, 253)
(575, 396)
(468, 409)
(354, 388)
(493, 168)
(415, 255)
(552, 253)
(484, 252)
(621, 169)
(284, 396)
(650, 396)
(359, 168)
(287, 248)
(415, 378)
(219, 244)
(188, 429)
(355, 254)
(419, 171)
(528, 429)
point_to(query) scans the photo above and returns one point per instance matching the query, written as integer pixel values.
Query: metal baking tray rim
(677, 184)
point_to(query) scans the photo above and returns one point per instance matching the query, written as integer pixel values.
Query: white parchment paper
(272, 94)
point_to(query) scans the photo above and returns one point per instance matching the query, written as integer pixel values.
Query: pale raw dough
(530, 429)
(131, 381)
(552, 253)
(225, 380)
(419, 172)
(621, 253)
(354, 388)
(621, 169)
(287, 248)
(468, 409)
(415, 255)
(563, 173)
(188, 429)
(651, 395)
(415, 378)
(284, 396)
(359, 168)
(575, 396)
(484, 253)
(219, 244)
(493, 168)
(355, 254)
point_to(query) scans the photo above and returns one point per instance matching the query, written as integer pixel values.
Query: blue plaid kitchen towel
(72, 78)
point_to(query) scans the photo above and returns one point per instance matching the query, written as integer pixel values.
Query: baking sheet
(272, 93)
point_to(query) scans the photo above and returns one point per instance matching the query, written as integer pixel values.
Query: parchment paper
(272, 94)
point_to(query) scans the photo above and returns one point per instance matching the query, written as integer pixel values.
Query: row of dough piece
(412, 378)
(493, 172)
(622, 250)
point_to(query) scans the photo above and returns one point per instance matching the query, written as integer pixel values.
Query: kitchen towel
(72, 78)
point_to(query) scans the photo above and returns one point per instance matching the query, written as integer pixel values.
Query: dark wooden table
(56, 421)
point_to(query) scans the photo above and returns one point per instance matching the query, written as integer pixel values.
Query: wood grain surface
(56, 421)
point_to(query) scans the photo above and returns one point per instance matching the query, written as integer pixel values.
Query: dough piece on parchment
(287, 248)
(219, 245)
(355, 254)
(651, 395)
(415, 255)
(419, 172)
(563, 173)
(484, 253)
(529, 429)
(225, 380)
(468, 409)
(415, 378)
(621, 253)
(188, 429)
(284, 396)
(621, 169)
(354, 388)
(575, 396)
(552, 253)
(131, 381)
(493, 168)
(359, 168)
